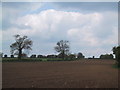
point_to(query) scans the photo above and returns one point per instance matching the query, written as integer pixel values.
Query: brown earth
(60, 74)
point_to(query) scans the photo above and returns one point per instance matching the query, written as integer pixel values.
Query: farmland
(63, 74)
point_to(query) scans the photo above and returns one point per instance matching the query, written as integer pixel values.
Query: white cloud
(51, 21)
(84, 30)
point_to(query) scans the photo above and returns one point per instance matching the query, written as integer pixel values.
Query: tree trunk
(63, 55)
(20, 54)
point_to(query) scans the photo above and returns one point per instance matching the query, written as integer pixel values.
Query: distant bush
(5, 56)
(106, 56)
(24, 55)
(33, 56)
(40, 56)
(61, 55)
(51, 56)
(80, 55)
(12, 56)
(72, 56)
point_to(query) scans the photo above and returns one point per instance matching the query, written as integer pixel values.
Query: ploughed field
(60, 74)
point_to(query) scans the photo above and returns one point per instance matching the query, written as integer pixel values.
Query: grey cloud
(12, 10)
(88, 6)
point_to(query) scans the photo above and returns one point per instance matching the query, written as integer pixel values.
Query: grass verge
(116, 66)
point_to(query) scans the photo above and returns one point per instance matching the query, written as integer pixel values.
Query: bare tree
(21, 45)
(62, 47)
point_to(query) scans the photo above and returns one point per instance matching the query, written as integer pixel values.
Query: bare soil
(60, 74)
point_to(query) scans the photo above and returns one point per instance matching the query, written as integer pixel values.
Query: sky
(90, 27)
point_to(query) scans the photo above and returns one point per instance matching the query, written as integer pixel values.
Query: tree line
(23, 45)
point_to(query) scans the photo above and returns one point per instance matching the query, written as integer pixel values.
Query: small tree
(116, 51)
(62, 47)
(20, 44)
(80, 55)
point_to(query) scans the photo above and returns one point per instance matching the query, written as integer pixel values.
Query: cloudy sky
(90, 27)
